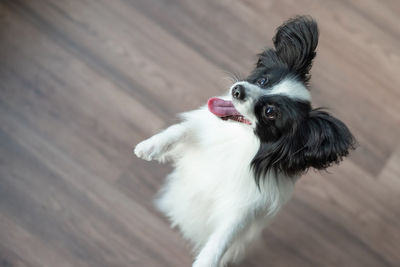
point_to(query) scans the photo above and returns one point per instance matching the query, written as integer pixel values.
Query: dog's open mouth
(225, 110)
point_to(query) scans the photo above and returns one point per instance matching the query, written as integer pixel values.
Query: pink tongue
(221, 108)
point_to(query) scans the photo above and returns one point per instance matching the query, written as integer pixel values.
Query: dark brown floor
(83, 81)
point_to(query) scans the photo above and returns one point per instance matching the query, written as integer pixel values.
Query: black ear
(326, 141)
(319, 141)
(295, 43)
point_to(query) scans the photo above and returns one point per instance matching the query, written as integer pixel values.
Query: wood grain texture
(81, 82)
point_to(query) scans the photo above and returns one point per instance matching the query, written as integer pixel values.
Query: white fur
(211, 195)
(291, 88)
(288, 87)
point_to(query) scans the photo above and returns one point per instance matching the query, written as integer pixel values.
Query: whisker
(238, 77)
(231, 77)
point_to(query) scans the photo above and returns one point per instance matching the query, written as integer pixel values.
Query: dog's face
(274, 97)
(275, 101)
(274, 105)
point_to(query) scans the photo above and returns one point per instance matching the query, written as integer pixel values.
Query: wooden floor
(83, 81)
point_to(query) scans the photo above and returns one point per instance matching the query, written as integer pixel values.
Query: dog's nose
(238, 92)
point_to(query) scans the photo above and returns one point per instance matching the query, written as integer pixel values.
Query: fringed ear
(269, 58)
(319, 141)
(295, 43)
(328, 140)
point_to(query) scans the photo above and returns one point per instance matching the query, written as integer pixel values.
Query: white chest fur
(213, 181)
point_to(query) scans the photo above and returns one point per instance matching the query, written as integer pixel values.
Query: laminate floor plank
(81, 82)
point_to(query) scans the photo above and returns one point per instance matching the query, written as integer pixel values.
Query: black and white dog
(237, 159)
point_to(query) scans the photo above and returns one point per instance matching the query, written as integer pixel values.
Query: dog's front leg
(158, 146)
(219, 241)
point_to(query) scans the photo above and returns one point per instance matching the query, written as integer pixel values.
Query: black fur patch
(269, 66)
(290, 114)
(295, 43)
(317, 141)
(298, 137)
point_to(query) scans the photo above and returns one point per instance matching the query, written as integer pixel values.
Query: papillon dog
(236, 160)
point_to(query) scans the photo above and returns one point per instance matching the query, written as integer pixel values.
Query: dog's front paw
(147, 150)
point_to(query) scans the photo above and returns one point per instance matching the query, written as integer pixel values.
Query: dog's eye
(270, 112)
(262, 81)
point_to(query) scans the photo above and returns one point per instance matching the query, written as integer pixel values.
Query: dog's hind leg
(220, 241)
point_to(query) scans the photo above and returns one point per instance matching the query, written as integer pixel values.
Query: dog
(236, 160)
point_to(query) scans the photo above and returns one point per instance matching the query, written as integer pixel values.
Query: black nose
(238, 92)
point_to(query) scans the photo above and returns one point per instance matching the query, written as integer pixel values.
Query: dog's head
(275, 101)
